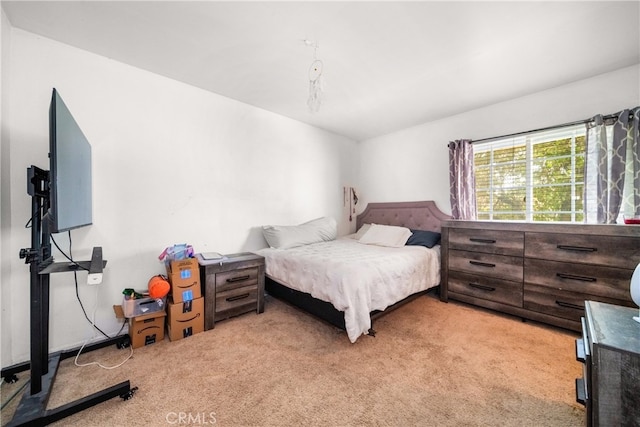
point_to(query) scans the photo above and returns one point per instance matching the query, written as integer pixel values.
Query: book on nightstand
(212, 256)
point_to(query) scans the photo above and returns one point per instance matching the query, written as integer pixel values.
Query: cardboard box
(146, 329)
(185, 318)
(141, 306)
(184, 277)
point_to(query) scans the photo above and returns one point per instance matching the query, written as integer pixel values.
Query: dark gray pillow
(424, 238)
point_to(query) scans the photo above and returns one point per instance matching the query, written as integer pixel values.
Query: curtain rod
(578, 122)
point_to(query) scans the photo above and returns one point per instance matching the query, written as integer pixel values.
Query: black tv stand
(32, 409)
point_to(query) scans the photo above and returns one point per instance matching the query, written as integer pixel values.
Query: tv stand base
(32, 410)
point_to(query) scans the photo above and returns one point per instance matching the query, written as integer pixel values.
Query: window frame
(529, 140)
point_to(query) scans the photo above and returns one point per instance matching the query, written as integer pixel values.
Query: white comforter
(354, 277)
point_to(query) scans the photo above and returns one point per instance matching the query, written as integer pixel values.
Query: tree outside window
(535, 177)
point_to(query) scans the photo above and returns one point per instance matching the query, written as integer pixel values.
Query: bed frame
(423, 215)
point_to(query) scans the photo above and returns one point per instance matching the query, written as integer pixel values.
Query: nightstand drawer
(492, 289)
(235, 298)
(236, 279)
(487, 241)
(499, 266)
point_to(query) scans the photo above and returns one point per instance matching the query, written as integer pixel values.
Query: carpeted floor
(431, 364)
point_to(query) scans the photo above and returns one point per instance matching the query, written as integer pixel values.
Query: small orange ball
(158, 286)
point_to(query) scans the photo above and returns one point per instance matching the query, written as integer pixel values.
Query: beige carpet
(431, 364)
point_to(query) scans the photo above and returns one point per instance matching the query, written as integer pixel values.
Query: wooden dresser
(232, 286)
(542, 272)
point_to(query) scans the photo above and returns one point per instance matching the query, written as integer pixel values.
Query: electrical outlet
(94, 278)
(125, 343)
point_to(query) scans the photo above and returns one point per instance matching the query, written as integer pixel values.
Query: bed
(350, 284)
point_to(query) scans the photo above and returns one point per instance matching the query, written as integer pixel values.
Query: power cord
(75, 277)
(68, 256)
(92, 319)
(95, 307)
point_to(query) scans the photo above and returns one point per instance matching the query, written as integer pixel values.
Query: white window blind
(537, 176)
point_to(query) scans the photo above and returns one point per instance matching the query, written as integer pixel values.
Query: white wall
(5, 202)
(171, 164)
(175, 164)
(413, 164)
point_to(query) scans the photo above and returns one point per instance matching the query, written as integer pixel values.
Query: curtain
(462, 180)
(632, 204)
(612, 167)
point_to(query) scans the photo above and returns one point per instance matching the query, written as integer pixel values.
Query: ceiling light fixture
(315, 79)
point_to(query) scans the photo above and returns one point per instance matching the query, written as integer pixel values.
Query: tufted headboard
(415, 215)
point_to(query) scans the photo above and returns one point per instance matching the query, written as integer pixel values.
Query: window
(537, 176)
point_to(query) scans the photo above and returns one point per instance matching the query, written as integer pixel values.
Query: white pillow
(361, 231)
(386, 235)
(326, 227)
(290, 236)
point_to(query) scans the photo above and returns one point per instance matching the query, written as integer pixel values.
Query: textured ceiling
(387, 65)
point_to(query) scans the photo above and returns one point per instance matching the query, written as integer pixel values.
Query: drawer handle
(580, 354)
(483, 287)
(569, 305)
(482, 264)
(479, 240)
(238, 279)
(576, 277)
(580, 391)
(237, 297)
(577, 248)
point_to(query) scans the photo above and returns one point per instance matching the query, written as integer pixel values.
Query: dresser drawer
(554, 302)
(487, 241)
(236, 279)
(499, 266)
(612, 251)
(594, 280)
(492, 289)
(561, 303)
(235, 298)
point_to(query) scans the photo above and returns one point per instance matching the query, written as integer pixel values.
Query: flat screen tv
(70, 203)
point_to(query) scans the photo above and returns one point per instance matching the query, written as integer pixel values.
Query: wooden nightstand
(610, 351)
(231, 286)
